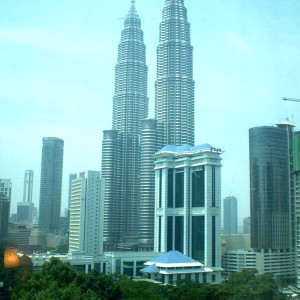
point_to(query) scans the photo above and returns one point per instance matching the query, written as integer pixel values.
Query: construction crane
(290, 99)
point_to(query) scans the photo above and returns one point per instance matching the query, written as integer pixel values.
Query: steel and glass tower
(174, 87)
(273, 227)
(174, 106)
(51, 182)
(121, 145)
(230, 215)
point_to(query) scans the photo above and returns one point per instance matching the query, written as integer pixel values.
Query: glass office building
(273, 223)
(187, 202)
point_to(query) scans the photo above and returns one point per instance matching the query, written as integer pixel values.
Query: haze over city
(57, 79)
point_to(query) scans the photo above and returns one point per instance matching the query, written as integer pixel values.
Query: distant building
(25, 211)
(187, 203)
(273, 223)
(246, 225)
(19, 234)
(85, 222)
(232, 242)
(28, 186)
(230, 217)
(51, 182)
(5, 200)
(297, 195)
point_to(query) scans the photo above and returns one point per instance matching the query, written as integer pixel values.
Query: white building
(174, 266)
(275, 263)
(85, 222)
(187, 203)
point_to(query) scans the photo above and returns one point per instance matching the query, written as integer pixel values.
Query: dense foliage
(58, 280)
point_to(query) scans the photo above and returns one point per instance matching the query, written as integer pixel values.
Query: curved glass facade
(270, 176)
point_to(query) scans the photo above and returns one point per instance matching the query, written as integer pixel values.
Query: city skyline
(237, 87)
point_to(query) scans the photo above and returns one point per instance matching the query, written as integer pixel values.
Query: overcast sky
(57, 60)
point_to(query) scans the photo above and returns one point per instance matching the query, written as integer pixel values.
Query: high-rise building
(272, 197)
(246, 225)
(85, 222)
(121, 145)
(174, 87)
(230, 217)
(25, 212)
(297, 196)
(187, 203)
(50, 186)
(71, 178)
(25, 208)
(174, 106)
(28, 186)
(5, 199)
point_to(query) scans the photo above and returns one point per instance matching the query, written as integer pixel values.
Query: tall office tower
(5, 199)
(71, 178)
(85, 223)
(297, 195)
(230, 217)
(130, 107)
(174, 106)
(50, 186)
(187, 203)
(174, 87)
(28, 186)
(246, 225)
(272, 198)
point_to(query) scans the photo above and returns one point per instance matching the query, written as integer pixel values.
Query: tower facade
(297, 196)
(5, 200)
(272, 197)
(28, 186)
(174, 87)
(230, 217)
(174, 105)
(50, 186)
(187, 203)
(85, 222)
(121, 145)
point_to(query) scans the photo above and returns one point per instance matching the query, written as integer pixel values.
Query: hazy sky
(57, 60)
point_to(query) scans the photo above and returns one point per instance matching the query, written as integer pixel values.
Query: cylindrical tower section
(112, 222)
(147, 185)
(270, 189)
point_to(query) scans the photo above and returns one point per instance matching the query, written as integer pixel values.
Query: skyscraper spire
(121, 147)
(174, 106)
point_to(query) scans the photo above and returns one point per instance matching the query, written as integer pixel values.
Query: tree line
(58, 280)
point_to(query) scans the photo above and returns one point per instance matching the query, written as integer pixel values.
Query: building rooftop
(174, 259)
(188, 149)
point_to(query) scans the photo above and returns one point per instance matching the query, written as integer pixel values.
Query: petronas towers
(128, 148)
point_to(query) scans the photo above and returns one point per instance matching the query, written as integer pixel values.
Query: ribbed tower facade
(174, 87)
(51, 182)
(174, 106)
(130, 107)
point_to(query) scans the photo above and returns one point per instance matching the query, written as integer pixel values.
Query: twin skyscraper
(128, 148)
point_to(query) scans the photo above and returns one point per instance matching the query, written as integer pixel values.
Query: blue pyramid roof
(173, 257)
(150, 269)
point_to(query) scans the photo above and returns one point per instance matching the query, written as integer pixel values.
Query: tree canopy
(58, 280)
